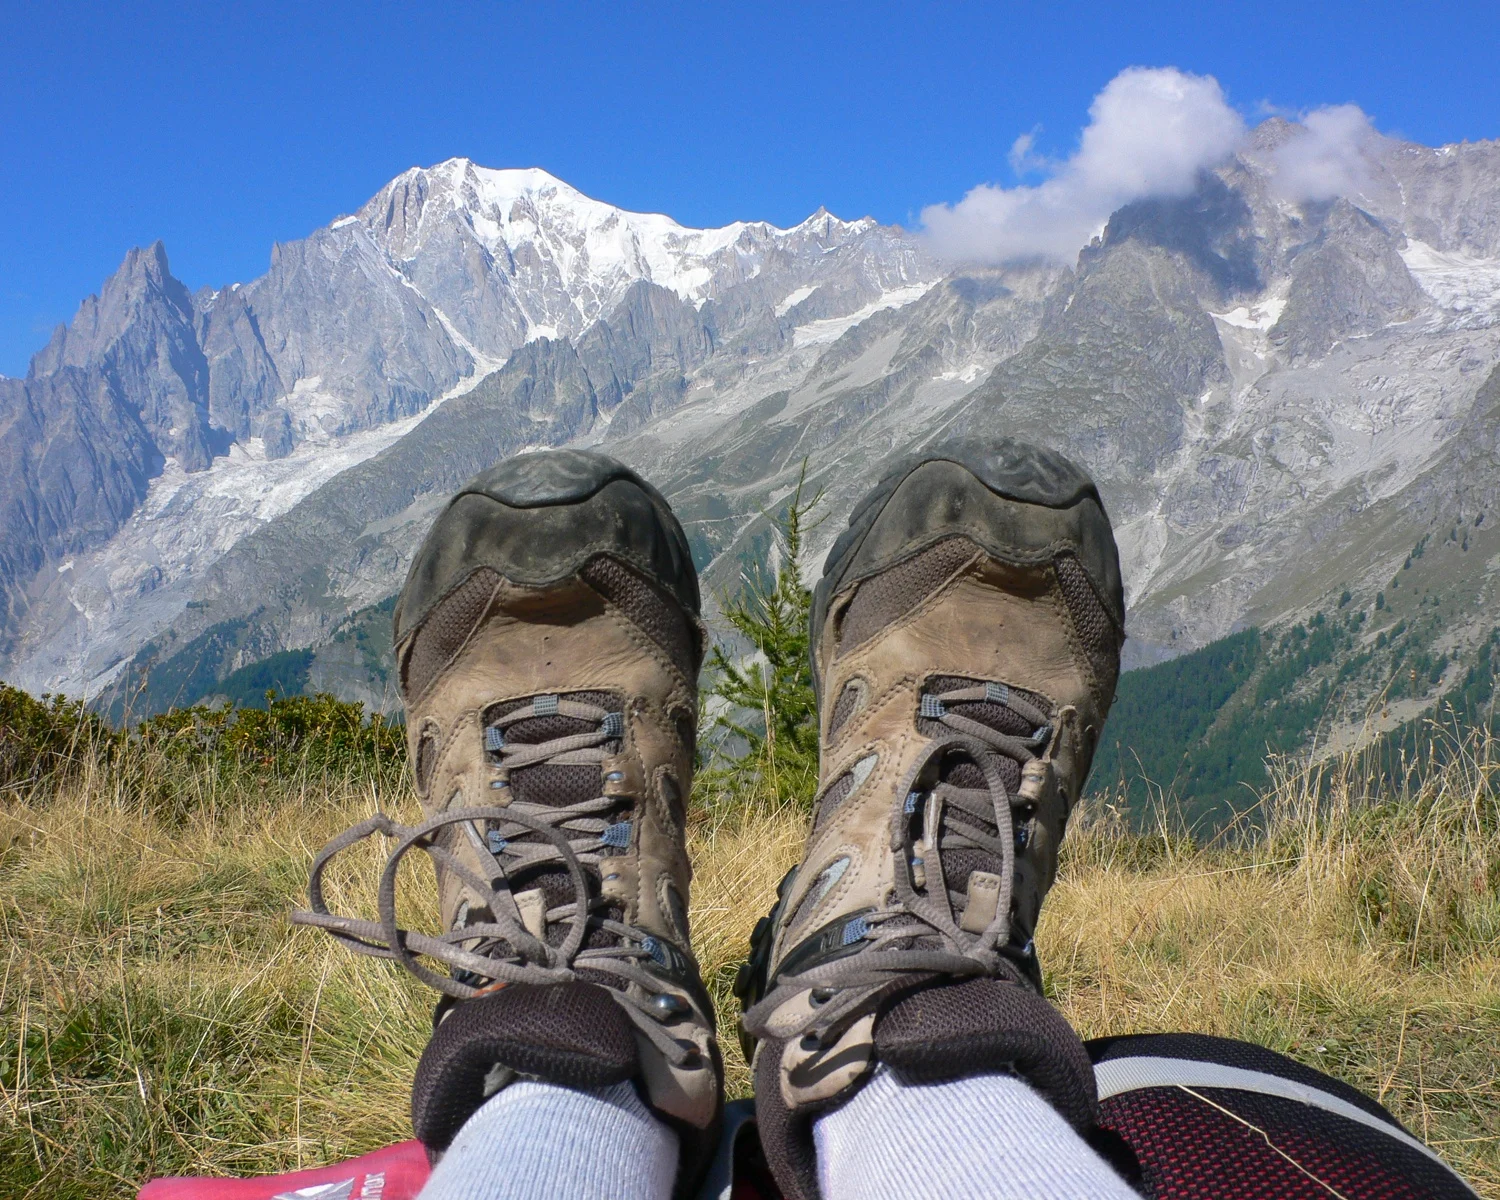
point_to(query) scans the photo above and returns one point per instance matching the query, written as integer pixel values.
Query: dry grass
(157, 1013)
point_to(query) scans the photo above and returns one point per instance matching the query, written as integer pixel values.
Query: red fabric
(394, 1173)
(1226, 1144)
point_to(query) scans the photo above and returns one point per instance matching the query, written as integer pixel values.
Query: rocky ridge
(1279, 400)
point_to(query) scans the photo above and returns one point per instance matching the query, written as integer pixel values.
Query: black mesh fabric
(571, 1033)
(1228, 1144)
(555, 785)
(446, 628)
(1101, 641)
(882, 599)
(648, 607)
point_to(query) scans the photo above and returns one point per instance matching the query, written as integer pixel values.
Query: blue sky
(224, 128)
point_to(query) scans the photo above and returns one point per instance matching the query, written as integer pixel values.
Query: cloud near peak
(1151, 131)
(1329, 156)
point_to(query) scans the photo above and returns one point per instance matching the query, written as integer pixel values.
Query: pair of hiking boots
(965, 642)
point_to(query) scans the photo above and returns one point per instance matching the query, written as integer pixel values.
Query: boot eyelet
(810, 1043)
(820, 996)
(667, 1005)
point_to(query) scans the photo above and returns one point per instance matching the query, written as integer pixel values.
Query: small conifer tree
(770, 709)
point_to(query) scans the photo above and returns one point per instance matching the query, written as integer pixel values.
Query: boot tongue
(557, 786)
(959, 771)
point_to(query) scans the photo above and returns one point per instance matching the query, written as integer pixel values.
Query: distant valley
(1293, 411)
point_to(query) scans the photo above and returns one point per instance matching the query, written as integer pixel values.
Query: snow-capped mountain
(198, 419)
(1280, 401)
(536, 258)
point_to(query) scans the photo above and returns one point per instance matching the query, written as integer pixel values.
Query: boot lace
(917, 931)
(510, 840)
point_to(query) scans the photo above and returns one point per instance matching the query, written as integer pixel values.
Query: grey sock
(536, 1140)
(988, 1137)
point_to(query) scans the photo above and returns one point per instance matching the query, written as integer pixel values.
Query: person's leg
(537, 1141)
(547, 647)
(966, 641)
(983, 1136)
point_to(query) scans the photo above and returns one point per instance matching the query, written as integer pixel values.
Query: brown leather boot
(548, 644)
(966, 643)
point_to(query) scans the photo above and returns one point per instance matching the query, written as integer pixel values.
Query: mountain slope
(1280, 401)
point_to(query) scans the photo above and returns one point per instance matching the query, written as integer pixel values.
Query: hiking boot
(548, 644)
(966, 643)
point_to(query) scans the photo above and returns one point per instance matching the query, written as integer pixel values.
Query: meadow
(159, 1015)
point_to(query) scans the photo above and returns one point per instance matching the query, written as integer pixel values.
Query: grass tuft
(158, 1015)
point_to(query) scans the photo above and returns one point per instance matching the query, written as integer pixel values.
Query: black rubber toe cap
(1020, 503)
(537, 519)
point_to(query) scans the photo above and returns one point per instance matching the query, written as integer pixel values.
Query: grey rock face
(334, 324)
(75, 460)
(1277, 398)
(139, 333)
(1350, 281)
(243, 380)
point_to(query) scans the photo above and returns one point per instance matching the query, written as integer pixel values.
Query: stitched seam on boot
(644, 642)
(647, 645)
(425, 726)
(847, 763)
(836, 833)
(453, 748)
(915, 611)
(858, 728)
(974, 533)
(830, 900)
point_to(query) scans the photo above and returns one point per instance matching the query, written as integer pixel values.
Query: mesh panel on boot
(446, 628)
(844, 707)
(961, 771)
(997, 716)
(1100, 640)
(882, 599)
(556, 785)
(426, 757)
(838, 791)
(649, 608)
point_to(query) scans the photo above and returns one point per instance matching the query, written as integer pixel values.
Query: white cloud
(1329, 156)
(1150, 132)
(1021, 157)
